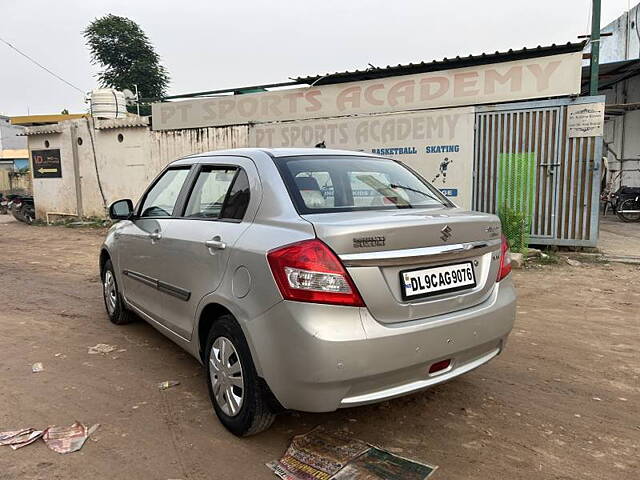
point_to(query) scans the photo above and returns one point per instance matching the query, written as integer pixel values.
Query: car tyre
(234, 387)
(118, 313)
(28, 219)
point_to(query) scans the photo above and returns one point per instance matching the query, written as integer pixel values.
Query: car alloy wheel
(226, 376)
(110, 292)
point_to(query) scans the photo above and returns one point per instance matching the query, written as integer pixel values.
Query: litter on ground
(68, 439)
(20, 438)
(101, 348)
(379, 464)
(325, 455)
(59, 439)
(168, 384)
(37, 367)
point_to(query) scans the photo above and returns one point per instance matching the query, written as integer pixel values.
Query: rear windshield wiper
(404, 187)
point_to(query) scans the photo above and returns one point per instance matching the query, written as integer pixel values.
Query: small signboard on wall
(585, 120)
(46, 163)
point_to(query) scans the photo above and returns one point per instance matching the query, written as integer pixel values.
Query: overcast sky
(212, 44)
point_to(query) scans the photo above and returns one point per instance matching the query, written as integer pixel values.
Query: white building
(620, 82)
(9, 139)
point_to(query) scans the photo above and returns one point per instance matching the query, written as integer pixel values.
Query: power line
(40, 65)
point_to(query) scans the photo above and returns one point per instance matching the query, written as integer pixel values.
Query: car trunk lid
(376, 246)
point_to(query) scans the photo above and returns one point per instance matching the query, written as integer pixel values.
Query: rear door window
(219, 193)
(238, 199)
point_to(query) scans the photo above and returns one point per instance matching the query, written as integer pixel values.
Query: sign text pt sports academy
(436, 143)
(46, 163)
(549, 76)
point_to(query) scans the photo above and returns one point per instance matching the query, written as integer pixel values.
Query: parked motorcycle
(23, 209)
(627, 206)
(4, 205)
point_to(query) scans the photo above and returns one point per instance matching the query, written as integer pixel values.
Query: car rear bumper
(320, 358)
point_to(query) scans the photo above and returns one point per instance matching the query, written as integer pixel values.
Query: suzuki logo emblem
(446, 233)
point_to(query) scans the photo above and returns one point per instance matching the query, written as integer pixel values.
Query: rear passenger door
(196, 246)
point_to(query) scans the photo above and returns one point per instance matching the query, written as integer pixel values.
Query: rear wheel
(116, 310)
(629, 210)
(234, 387)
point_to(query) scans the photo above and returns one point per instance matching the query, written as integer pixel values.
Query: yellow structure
(34, 120)
(14, 154)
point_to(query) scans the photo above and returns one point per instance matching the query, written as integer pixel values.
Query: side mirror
(121, 210)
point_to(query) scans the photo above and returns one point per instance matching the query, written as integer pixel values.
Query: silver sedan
(309, 279)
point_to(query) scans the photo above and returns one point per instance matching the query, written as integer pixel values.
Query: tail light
(309, 271)
(505, 259)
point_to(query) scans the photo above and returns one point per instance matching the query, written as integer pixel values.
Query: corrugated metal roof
(444, 64)
(127, 122)
(611, 73)
(389, 70)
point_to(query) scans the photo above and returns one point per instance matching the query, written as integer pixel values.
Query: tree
(122, 48)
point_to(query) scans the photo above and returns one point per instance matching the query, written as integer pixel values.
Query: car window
(316, 188)
(238, 198)
(209, 192)
(161, 198)
(319, 185)
(371, 188)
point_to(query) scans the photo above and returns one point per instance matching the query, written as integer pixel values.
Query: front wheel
(234, 387)
(629, 210)
(116, 310)
(28, 217)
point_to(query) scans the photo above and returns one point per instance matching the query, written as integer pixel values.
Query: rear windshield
(334, 184)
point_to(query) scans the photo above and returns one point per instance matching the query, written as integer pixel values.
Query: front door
(139, 241)
(196, 245)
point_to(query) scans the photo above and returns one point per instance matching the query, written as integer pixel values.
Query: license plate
(425, 282)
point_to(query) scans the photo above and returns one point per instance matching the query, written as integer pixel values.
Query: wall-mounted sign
(46, 163)
(585, 120)
(549, 76)
(438, 144)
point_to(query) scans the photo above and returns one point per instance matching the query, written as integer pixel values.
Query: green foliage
(516, 188)
(549, 258)
(515, 226)
(124, 50)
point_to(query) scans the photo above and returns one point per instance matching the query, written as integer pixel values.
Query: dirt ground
(618, 238)
(561, 403)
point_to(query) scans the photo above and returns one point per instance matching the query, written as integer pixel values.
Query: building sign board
(585, 120)
(46, 163)
(549, 76)
(438, 144)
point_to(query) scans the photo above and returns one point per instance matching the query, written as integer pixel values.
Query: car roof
(274, 153)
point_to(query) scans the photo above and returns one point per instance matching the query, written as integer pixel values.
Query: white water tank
(108, 103)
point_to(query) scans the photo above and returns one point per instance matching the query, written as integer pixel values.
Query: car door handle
(155, 235)
(216, 243)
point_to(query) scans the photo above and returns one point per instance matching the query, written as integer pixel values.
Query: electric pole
(595, 48)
